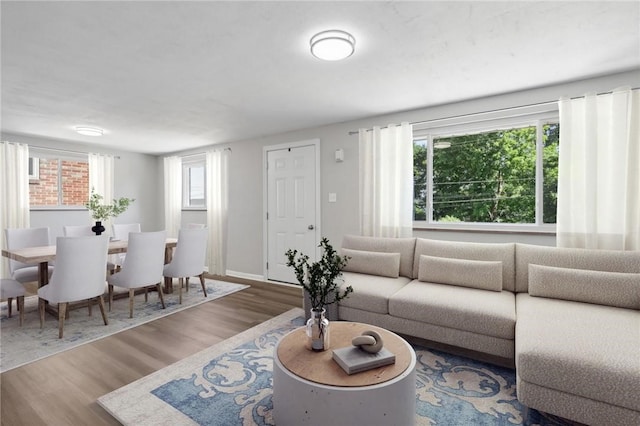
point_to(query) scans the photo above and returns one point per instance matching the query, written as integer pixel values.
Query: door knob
(310, 227)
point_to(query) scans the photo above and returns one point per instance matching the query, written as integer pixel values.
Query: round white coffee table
(309, 388)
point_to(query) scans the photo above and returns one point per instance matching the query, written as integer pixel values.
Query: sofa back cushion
(481, 274)
(603, 288)
(499, 252)
(404, 246)
(573, 258)
(372, 262)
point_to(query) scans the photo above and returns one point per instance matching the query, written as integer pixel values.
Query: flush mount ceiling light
(332, 45)
(89, 131)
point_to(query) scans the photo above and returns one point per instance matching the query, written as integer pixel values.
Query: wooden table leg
(168, 285)
(43, 274)
(43, 279)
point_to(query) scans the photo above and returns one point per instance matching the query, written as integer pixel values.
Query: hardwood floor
(62, 389)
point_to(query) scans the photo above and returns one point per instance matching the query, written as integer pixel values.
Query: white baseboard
(244, 275)
(255, 277)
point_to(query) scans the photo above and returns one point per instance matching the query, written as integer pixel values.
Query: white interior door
(291, 208)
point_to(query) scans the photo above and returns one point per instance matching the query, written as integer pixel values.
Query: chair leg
(110, 296)
(146, 294)
(41, 309)
(102, 310)
(21, 309)
(180, 286)
(10, 302)
(90, 303)
(62, 311)
(204, 290)
(159, 288)
(131, 294)
(186, 281)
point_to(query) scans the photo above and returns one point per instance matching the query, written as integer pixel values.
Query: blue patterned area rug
(22, 345)
(230, 384)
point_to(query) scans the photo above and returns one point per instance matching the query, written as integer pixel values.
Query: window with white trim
(57, 180)
(193, 182)
(492, 172)
(34, 168)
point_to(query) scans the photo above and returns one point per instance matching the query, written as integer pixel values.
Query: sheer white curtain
(599, 172)
(386, 181)
(102, 182)
(172, 195)
(101, 175)
(217, 209)
(14, 192)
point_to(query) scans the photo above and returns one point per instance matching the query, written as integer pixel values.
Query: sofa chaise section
(578, 333)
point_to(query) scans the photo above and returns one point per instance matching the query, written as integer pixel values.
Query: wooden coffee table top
(320, 367)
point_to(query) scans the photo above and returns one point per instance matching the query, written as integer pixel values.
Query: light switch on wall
(333, 197)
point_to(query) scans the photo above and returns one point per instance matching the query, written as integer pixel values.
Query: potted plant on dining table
(101, 212)
(321, 280)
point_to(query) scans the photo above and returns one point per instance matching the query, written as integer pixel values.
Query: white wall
(340, 218)
(140, 176)
(135, 177)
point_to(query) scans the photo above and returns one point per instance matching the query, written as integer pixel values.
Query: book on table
(354, 360)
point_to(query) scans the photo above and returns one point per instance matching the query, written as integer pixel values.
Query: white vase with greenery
(101, 212)
(321, 281)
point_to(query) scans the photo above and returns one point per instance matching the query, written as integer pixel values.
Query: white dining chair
(84, 231)
(11, 289)
(142, 267)
(79, 275)
(121, 232)
(18, 238)
(188, 258)
(78, 231)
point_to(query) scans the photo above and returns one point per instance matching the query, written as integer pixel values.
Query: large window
(193, 182)
(58, 181)
(498, 172)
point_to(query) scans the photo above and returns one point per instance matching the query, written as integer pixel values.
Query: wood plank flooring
(62, 389)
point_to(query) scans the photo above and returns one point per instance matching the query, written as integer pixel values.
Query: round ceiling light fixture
(332, 45)
(89, 131)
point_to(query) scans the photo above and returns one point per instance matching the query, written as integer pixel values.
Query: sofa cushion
(484, 275)
(372, 262)
(404, 246)
(595, 260)
(582, 349)
(598, 287)
(471, 251)
(371, 292)
(479, 311)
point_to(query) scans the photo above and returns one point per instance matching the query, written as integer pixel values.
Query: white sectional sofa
(570, 318)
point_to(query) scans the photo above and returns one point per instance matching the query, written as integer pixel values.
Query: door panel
(291, 208)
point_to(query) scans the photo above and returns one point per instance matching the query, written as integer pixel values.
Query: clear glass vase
(318, 331)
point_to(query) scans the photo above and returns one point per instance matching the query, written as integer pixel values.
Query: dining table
(42, 255)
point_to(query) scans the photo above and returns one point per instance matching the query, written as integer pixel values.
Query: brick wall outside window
(74, 181)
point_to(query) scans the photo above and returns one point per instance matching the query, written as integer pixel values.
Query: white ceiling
(166, 76)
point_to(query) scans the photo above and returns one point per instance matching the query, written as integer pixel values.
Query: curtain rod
(355, 132)
(46, 148)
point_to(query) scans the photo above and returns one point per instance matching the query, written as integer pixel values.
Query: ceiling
(167, 76)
